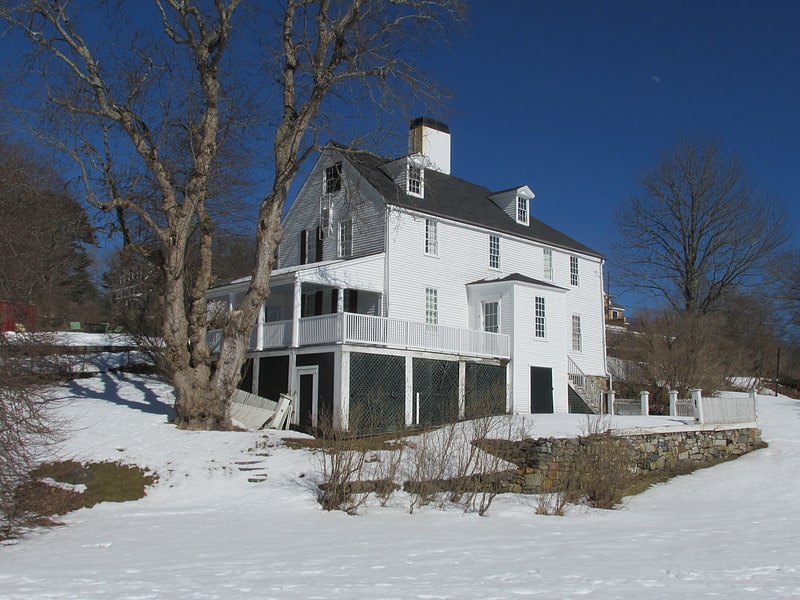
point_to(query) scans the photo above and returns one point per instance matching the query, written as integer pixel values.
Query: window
(324, 221)
(548, 264)
(576, 333)
(573, 270)
(345, 238)
(333, 178)
(431, 306)
(539, 323)
(494, 252)
(431, 238)
(414, 180)
(490, 317)
(522, 210)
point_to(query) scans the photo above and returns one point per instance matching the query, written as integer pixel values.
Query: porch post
(340, 300)
(462, 389)
(296, 312)
(611, 397)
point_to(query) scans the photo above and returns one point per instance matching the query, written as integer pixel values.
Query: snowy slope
(205, 532)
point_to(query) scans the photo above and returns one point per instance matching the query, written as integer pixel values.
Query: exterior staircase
(583, 386)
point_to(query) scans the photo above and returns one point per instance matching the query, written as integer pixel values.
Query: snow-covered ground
(204, 531)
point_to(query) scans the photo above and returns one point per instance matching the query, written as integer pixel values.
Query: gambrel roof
(459, 200)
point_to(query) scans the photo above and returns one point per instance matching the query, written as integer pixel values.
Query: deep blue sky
(579, 99)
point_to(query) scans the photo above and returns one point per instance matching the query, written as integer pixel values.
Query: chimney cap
(428, 122)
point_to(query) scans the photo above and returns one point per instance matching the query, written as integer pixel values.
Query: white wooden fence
(718, 410)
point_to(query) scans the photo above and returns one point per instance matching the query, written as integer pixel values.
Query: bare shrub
(600, 469)
(27, 429)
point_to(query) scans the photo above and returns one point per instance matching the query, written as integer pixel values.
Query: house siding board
(357, 200)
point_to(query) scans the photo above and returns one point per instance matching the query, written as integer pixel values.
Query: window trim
(332, 178)
(539, 318)
(494, 251)
(496, 313)
(574, 273)
(415, 181)
(577, 334)
(431, 237)
(547, 266)
(431, 306)
(345, 227)
(523, 210)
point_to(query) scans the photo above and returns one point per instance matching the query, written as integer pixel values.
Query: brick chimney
(431, 138)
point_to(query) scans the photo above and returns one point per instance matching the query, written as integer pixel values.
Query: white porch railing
(353, 328)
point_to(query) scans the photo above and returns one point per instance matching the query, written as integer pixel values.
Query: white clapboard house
(406, 296)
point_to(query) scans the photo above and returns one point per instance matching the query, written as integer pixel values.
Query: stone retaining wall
(544, 463)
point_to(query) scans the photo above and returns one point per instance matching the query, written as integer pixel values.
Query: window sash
(548, 264)
(431, 238)
(577, 342)
(573, 270)
(491, 322)
(540, 330)
(346, 238)
(333, 178)
(522, 210)
(414, 178)
(494, 252)
(431, 306)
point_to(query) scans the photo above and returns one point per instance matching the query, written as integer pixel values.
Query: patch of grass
(104, 481)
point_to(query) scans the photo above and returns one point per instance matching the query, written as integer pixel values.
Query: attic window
(522, 210)
(333, 178)
(414, 178)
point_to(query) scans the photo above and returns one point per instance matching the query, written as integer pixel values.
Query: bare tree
(44, 234)
(697, 229)
(154, 111)
(786, 273)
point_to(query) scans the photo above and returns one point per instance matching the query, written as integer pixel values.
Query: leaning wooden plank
(250, 411)
(281, 416)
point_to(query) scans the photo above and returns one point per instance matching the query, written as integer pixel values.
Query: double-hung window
(431, 238)
(414, 177)
(577, 342)
(573, 270)
(494, 252)
(333, 178)
(522, 210)
(431, 306)
(345, 238)
(539, 328)
(548, 264)
(491, 322)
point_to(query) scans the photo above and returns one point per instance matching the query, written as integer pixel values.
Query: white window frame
(332, 178)
(540, 318)
(494, 252)
(431, 238)
(574, 276)
(431, 306)
(345, 241)
(485, 314)
(523, 212)
(577, 337)
(548, 264)
(415, 180)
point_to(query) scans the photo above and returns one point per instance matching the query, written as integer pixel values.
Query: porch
(373, 331)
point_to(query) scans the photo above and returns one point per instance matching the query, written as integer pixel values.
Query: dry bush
(27, 428)
(600, 469)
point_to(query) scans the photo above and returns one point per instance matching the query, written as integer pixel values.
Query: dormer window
(333, 178)
(522, 210)
(414, 179)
